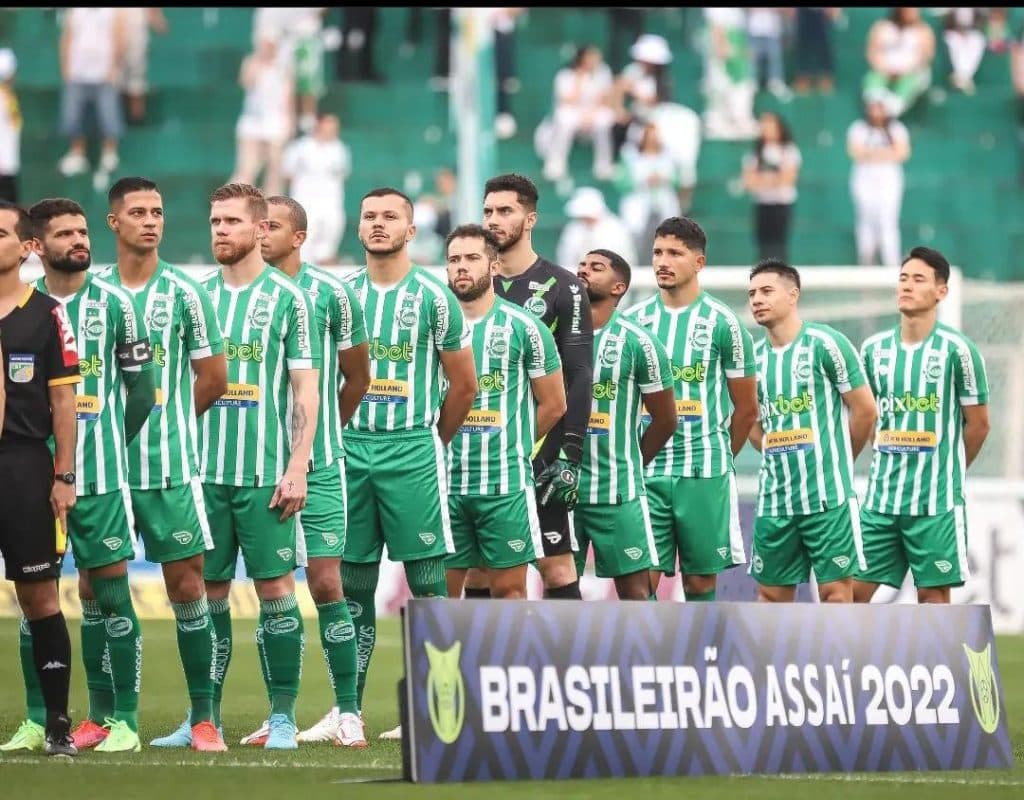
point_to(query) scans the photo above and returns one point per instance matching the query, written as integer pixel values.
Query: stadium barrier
(549, 690)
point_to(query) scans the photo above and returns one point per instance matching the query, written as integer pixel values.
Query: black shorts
(554, 530)
(28, 539)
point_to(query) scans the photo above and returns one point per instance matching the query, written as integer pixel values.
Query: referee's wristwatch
(65, 477)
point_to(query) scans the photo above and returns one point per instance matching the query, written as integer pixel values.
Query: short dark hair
(779, 267)
(473, 231)
(124, 186)
(934, 259)
(42, 212)
(23, 226)
(296, 213)
(685, 230)
(525, 189)
(619, 265)
(254, 198)
(386, 191)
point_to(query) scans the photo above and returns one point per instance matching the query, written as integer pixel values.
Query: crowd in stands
(645, 143)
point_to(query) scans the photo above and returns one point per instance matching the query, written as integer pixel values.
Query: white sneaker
(109, 161)
(73, 164)
(350, 732)
(394, 733)
(325, 730)
(259, 736)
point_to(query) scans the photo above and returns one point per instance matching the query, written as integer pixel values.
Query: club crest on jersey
(611, 351)
(802, 370)
(536, 306)
(497, 343)
(260, 315)
(701, 336)
(159, 312)
(92, 325)
(934, 369)
(21, 367)
(409, 312)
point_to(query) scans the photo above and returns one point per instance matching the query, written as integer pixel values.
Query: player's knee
(557, 571)
(938, 594)
(775, 594)
(863, 591)
(836, 592)
(477, 578)
(699, 584)
(633, 587)
(324, 584)
(184, 580)
(275, 588)
(38, 599)
(85, 586)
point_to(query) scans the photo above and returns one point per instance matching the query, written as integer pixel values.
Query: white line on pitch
(135, 762)
(925, 779)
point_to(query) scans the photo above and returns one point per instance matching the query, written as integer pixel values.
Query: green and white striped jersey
(338, 320)
(112, 340)
(919, 464)
(707, 345)
(182, 328)
(245, 438)
(628, 363)
(407, 325)
(490, 454)
(806, 457)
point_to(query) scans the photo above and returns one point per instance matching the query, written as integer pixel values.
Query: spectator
(965, 42)
(765, 27)
(592, 225)
(359, 34)
(504, 20)
(900, 51)
(814, 54)
(643, 84)
(298, 33)
(92, 46)
(878, 146)
(728, 80)
(317, 165)
(137, 24)
(649, 179)
(770, 174)
(997, 31)
(582, 95)
(267, 117)
(433, 215)
(1017, 76)
(679, 130)
(10, 128)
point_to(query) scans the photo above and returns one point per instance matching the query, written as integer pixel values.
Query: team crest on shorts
(21, 367)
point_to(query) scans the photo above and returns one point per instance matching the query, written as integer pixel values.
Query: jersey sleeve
(61, 350)
(301, 348)
(971, 378)
(202, 332)
(840, 362)
(735, 347)
(449, 323)
(541, 353)
(653, 371)
(351, 327)
(133, 348)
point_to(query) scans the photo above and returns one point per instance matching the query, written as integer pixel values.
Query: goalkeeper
(554, 295)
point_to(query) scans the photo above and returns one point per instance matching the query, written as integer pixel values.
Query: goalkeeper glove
(559, 482)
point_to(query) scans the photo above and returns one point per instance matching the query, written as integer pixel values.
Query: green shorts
(396, 481)
(322, 521)
(172, 522)
(309, 67)
(621, 535)
(239, 518)
(787, 548)
(698, 518)
(100, 527)
(497, 532)
(935, 548)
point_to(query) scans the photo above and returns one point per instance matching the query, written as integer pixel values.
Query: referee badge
(21, 367)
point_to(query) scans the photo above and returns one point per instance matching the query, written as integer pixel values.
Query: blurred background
(386, 74)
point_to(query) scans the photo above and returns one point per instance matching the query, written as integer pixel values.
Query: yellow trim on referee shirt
(65, 380)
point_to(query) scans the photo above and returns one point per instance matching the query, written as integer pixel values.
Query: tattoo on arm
(299, 423)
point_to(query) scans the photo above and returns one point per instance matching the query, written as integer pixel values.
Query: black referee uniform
(39, 352)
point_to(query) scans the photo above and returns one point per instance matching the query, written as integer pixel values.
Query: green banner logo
(446, 691)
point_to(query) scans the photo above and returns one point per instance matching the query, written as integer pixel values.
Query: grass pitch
(321, 770)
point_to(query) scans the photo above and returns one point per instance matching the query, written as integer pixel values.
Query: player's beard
(474, 292)
(68, 264)
(234, 253)
(381, 249)
(596, 295)
(504, 245)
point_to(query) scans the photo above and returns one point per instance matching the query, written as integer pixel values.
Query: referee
(40, 364)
